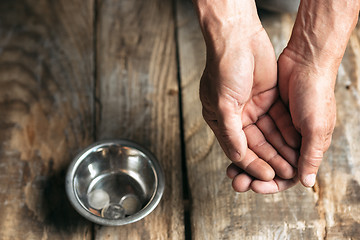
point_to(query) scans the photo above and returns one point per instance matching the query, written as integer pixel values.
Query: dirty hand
(241, 104)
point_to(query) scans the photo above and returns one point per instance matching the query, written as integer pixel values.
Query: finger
(214, 127)
(250, 163)
(273, 186)
(242, 182)
(210, 119)
(233, 170)
(229, 131)
(258, 106)
(273, 135)
(256, 167)
(311, 155)
(284, 123)
(258, 186)
(257, 143)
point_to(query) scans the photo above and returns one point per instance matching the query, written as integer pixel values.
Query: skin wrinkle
(256, 144)
(270, 131)
(255, 115)
(285, 124)
(238, 103)
(273, 157)
(313, 161)
(325, 28)
(213, 19)
(252, 116)
(248, 167)
(241, 62)
(259, 144)
(255, 101)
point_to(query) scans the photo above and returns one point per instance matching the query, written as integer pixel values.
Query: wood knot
(172, 92)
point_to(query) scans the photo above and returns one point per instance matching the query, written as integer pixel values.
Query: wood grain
(47, 56)
(339, 177)
(329, 211)
(138, 100)
(46, 107)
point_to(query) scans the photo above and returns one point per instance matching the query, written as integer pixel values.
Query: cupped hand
(308, 89)
(241, 104)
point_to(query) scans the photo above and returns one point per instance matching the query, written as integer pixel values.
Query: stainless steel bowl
(114, 182)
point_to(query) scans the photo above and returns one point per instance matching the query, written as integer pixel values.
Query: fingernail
(309, 180)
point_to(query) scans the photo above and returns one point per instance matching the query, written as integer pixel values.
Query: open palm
(242, 106)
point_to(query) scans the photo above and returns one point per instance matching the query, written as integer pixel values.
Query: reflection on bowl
(114, 182)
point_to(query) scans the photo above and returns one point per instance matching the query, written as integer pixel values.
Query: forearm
(322, 30)
(227, 22)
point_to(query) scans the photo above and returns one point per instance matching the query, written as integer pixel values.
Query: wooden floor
(73, 72)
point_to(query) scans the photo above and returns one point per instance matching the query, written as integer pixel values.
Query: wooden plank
(138, 94)
(339, 180)
(217, 211)
(46, 98)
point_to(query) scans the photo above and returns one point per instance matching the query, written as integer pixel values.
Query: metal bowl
(114, 182)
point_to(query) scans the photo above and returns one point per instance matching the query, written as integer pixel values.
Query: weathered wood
(138, 95)
(46, 116)
(339, 178)
(46, 98)
(330, 210)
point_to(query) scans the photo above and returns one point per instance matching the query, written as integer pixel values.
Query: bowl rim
(149, 207)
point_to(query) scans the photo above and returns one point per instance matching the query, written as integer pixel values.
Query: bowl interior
(114, 181)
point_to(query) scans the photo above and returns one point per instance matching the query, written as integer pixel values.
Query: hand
(309, 91)
(307, 73)
(240, 100)
(239, 95)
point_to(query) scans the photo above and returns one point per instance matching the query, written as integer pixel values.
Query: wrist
(322, 30)
(227, 22)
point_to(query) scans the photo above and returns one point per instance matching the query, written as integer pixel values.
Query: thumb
(231, 135)
(311, 155)
(225, 122)
(228, 129)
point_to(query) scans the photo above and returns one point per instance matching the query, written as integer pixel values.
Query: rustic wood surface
(328, 211)
(72, 72)
(138, 100)
(46, 109)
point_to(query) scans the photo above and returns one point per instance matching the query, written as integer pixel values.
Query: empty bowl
(114, 182)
